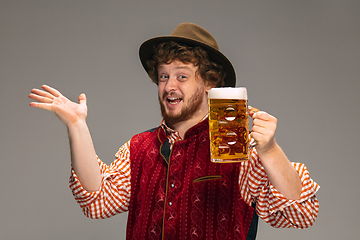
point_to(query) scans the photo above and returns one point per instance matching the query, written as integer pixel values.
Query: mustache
(171, 94)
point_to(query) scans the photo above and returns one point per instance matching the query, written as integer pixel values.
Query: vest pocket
(206, 178)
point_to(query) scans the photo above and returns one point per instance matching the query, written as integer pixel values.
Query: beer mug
(228, 125)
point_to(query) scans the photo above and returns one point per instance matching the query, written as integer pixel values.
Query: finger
(42, 93)
(258, 115)
(253, 143)
(255, 135)
(263, 115)
(258, 129)
(51, 90)
(46, 106)
(40, 99)
(261, 125)
(260, 122)
(256, 138)
(261, 136)
(82, 98)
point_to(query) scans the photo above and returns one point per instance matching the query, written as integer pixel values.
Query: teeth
(173, 100)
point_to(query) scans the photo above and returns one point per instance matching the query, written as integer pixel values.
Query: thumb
(82, 98)
(252, 110)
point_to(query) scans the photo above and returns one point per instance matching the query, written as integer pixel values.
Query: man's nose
(171, 84)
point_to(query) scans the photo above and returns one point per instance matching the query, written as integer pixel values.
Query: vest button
(172, 185)
(170, 204)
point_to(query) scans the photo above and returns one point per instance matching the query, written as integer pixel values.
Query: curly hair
(168, 52)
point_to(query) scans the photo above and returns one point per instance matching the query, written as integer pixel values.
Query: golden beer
(228, 125)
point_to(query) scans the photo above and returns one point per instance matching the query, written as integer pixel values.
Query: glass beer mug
(228, 125)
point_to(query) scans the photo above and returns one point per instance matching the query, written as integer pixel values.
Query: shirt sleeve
(114, 194)
(271, 205)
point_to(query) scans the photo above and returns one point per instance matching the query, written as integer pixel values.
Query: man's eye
(163, 77)
(182, 77)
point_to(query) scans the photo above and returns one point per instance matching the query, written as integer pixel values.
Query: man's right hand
(52, 100)
(73, 115)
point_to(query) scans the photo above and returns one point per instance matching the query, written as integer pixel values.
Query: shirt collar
(173, 133)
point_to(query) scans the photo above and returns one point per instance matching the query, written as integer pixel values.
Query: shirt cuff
(309, 188)
(83, 197)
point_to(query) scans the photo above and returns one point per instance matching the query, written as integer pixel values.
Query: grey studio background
(300, 61)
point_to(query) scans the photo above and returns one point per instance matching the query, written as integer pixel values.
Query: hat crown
(195, 32)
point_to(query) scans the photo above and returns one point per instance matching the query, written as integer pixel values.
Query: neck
(183, 126)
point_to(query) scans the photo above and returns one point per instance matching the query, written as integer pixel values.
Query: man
(164, 176)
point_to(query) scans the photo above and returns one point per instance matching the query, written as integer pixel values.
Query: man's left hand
(263, 130)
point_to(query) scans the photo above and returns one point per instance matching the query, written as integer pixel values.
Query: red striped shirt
(114, 194)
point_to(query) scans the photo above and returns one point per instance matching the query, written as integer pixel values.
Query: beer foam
(228, 93)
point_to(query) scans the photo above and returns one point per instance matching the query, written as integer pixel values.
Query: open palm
(52, 100)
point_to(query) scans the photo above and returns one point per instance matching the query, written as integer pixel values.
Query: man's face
(182, 93)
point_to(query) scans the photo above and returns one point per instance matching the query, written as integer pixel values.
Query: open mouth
(173, 100)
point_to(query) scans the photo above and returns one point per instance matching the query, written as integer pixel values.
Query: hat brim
(146, 51)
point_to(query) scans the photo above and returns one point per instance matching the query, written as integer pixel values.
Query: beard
(186, 112)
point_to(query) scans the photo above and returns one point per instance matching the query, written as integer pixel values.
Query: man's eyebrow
(179, 66)
(184, 67)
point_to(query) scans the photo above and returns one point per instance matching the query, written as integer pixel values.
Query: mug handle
(252, 110)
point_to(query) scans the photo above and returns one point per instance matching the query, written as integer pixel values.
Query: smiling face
(182, 93)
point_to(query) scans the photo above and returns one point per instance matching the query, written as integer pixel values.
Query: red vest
(180, 194)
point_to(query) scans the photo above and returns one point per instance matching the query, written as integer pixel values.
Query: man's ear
(209, 85)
